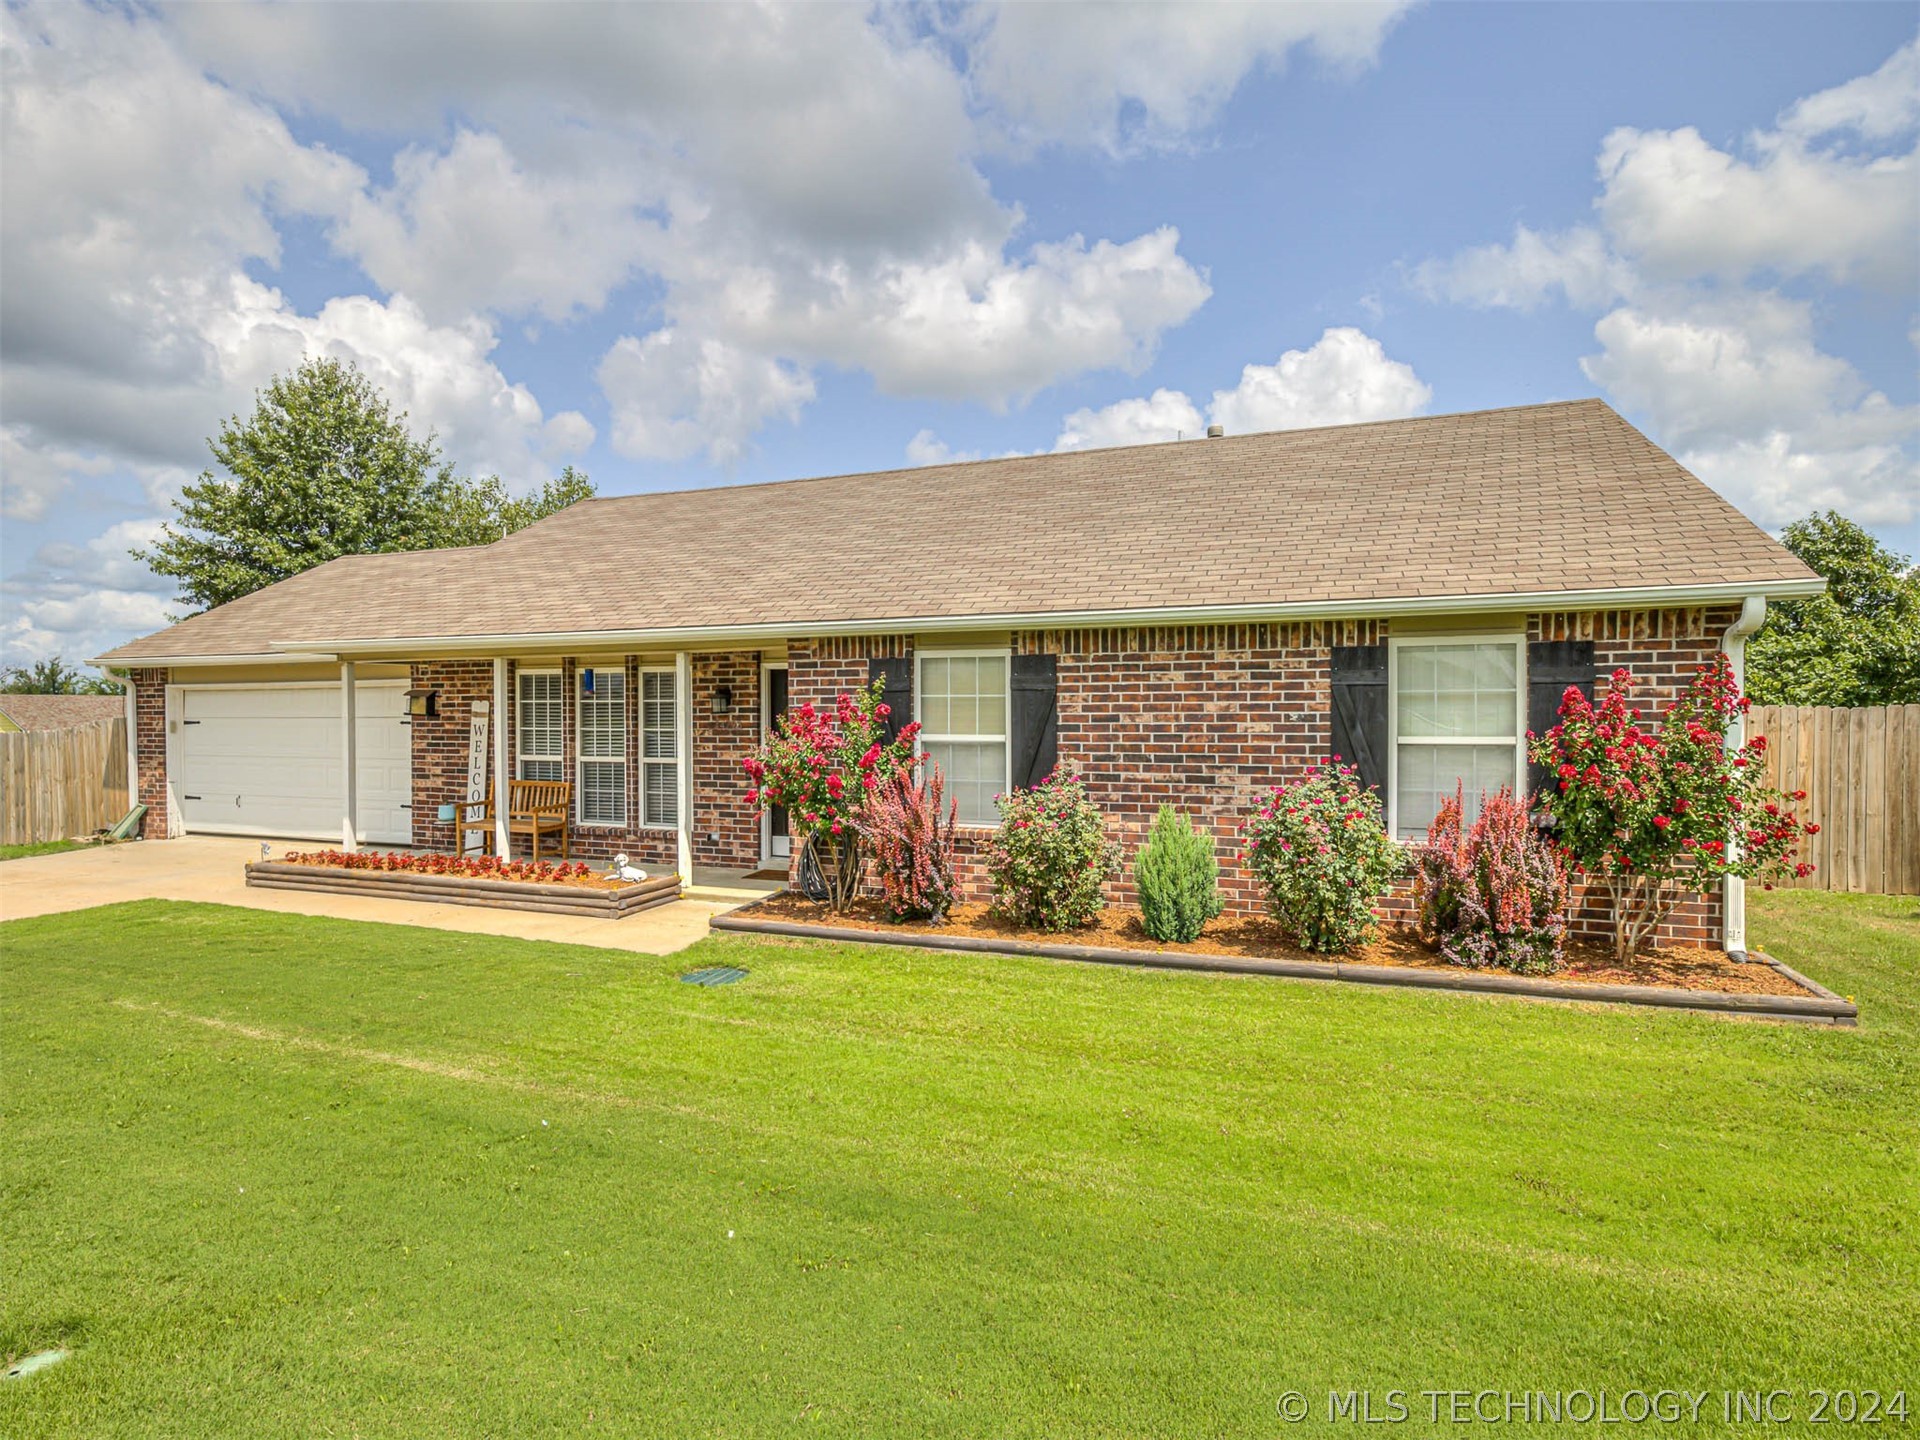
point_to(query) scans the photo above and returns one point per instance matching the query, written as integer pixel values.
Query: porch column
(1733, 894)
(133, 737)
(502, 842)
(349, 761)
(683, 767)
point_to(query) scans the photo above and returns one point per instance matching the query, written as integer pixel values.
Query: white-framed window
(540, 725)
(1456, 715)
(659, 750)
(600, 712)
(961, 702)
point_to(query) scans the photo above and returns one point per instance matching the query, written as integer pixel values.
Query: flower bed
(466, 867)
(558, 889)
(1695, 977)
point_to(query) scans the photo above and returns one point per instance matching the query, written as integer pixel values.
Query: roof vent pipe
(1214, 432)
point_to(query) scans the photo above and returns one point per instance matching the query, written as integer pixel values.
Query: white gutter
(270, 657)
(1733, 644)
(714, 635)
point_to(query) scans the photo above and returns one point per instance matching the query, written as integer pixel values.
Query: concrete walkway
(210, 868)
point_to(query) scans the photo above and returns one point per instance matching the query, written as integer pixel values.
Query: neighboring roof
(60, 712)
(1543, 498)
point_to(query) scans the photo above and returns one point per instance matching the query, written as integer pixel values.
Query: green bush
(1177, 879)
(1050, 856)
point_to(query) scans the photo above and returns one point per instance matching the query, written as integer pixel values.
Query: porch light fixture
(424, 702)
(722, 699)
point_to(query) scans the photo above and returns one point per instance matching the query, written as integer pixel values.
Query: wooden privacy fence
(1860, 768)
(60, 783)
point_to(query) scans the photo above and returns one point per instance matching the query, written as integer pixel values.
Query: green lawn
(269, 1175)
(38, 847)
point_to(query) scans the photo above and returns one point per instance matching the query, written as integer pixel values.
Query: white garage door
(265, 760)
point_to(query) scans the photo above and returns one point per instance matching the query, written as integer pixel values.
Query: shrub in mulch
(1050, 856)
(1494, 893)
(1324, 858)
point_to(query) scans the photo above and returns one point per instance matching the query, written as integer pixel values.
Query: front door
(779, 841)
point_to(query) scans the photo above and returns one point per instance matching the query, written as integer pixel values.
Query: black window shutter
(898, 694)
(1035, 719)
(1359, 675)
(1553, 665)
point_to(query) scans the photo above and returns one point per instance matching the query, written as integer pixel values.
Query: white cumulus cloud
(1345, 377)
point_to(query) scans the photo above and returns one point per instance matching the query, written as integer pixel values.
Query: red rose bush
(1655, 810)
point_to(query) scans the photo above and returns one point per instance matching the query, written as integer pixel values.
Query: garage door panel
(266, 758)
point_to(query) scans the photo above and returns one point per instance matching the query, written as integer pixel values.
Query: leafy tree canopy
(324, 467)
(1858, 644)
(53, 676)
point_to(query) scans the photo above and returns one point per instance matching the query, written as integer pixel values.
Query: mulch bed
(1680, 967)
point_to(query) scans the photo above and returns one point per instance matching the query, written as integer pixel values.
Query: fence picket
(60, 783)
(1860, 768)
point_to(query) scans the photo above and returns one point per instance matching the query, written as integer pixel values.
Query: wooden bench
(534, 808)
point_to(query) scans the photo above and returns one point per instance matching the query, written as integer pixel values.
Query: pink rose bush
(1050, 857)
(1324, 858)
(1655, 810)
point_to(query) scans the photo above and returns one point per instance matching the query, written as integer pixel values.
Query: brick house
(1185, 623)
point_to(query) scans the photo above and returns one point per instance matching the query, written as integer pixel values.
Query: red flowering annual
(1656, 810)
(821, 767)
(471, 867)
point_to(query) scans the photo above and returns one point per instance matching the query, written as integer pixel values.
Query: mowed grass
(38, 847)
(271, 1175)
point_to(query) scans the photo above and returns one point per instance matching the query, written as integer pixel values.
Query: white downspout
(1733, 644)
(133, 738)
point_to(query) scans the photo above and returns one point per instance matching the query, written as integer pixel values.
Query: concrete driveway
(209, 868)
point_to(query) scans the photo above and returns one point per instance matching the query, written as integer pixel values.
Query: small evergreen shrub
(912, 846)
(1323, 857)
(1493, 894)
(1050, 856)
(1177, 879)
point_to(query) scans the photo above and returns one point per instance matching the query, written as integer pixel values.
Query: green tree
(53, 676)
(1859, 643)
(325, 467)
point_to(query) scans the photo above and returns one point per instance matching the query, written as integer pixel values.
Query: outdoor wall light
(722, 699)
(424, 702)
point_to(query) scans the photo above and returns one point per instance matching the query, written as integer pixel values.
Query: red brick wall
(150, 742)
(1207, 718)
(440, 743)
(726, 833)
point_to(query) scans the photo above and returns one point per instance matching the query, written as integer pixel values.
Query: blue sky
(685, 246)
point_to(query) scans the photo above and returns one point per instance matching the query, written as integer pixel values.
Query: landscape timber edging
(549, 899)
(1822, 1006)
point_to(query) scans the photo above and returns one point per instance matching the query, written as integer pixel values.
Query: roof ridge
(951, 465)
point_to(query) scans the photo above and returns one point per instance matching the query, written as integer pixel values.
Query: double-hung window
(542, 699)
(601, 715)
(962, 701)
(1457, 711)
(659, 750)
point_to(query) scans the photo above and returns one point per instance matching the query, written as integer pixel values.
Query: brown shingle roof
(1561, 497)
(60, 712)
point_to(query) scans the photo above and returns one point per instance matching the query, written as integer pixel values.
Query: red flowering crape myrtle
(821, 767)
(471, 867)
(1655, 811)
